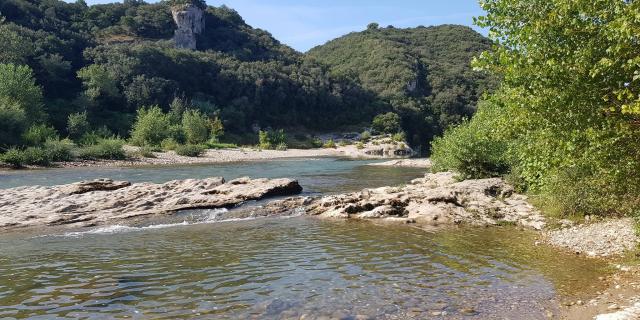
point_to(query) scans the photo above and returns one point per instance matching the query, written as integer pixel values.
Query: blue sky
(303, 24)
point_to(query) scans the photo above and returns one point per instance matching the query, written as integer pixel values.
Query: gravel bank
(601, 239)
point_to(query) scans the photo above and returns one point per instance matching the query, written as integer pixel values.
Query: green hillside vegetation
(423, 73)
(565, 123)
(87, 73)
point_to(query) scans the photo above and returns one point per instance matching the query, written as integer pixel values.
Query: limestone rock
(436, 199)
(190, 22)
(92, 202)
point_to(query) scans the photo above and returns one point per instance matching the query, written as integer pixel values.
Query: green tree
(98, 82)
(565, 119)
(195, 126)
(386, 123)
(151, 127)
(20, 102)
(78, 125)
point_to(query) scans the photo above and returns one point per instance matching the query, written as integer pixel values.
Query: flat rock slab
(92, 202)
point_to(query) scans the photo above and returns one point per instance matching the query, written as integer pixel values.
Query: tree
(78, 125)
(151, 127)
(195, 126)
(386, 123)
(20, 102)
(373, 26)
(98, 82)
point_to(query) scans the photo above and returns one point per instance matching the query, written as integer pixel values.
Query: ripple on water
(280, 268)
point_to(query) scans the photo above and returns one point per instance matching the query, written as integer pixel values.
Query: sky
(303, 24)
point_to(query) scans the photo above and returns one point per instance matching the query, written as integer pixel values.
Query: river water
(280, 268)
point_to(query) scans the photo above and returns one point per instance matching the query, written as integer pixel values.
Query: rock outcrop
(92, 202)
(190, 22)
(435, 200)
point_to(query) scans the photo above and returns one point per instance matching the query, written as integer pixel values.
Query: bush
(169, 144)
(38, 134)
(151, 127)
(271, 139)
(469, 152)
(108, 149)
(317, 143)
(13, 157)
(145, 152)
(219, 145)
(190, 150)
(386, 123)
(93, 137)
(365, 136)
(399, 137)
(329, 144)
(360, 145)
(36, 156)
(59, 150)
(195, 127)
(77, 125)
(281, 147)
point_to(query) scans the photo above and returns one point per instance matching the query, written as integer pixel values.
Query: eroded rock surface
(436, 199)
(190, 22)
(92, 202)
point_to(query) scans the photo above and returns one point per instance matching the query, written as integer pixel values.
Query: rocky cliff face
(190, 22)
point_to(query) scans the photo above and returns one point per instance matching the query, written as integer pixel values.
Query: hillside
(423, 72)
(108, 61)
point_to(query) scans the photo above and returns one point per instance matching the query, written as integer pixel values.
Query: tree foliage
(565, 117)
(423, 74)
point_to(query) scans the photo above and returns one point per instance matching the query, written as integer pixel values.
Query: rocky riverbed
(94, 202)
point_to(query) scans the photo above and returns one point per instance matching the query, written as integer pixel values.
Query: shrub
(36, 156)
(219, 145)
(108, 149)
(329, 144)
(360, 145)
(146, 152)
(190, 150)
(38, 134)
(271, 139)
(342, 143)
(59, 150)
(151, 127)
(169, 144)
(195, 127)
(281, 147)
(365, 136)
(317, 143)
(13, 157)
(469, 152)
(386, 123)
(77, 125)
(399, 137)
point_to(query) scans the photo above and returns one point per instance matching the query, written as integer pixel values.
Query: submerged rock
(91, 202)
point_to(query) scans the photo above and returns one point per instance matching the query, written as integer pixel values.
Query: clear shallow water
(193, 266)
(284, 268)
(315, 175)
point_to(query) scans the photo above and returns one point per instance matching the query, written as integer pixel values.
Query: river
(193, 266)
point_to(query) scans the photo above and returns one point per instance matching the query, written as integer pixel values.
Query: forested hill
(110, 60)
(423, 72)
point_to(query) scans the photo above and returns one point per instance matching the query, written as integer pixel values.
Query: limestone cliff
(190, 22)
